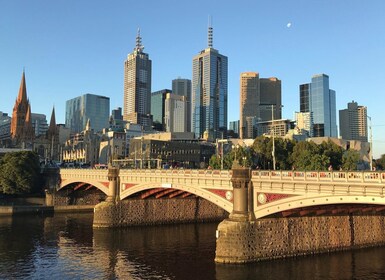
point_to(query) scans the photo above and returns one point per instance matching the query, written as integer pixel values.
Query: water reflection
(66, 247)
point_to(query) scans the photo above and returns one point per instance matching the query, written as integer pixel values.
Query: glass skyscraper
(157, 108)
(319, 99)
(91, 107)
(137, 86)
(209, 92)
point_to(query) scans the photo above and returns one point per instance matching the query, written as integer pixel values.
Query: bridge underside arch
(79, 193)
(161, 190)
(320, 205)
(84, 184)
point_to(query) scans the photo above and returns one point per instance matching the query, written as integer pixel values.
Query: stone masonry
(285, 237)
(133, 212)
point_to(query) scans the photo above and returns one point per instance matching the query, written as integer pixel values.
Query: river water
(66, 246)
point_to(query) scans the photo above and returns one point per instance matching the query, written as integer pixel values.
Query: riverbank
(41, 209)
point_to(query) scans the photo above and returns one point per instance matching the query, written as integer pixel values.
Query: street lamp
(273, 131)
(370, 144)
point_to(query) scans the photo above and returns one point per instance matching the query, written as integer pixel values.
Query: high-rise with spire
(137, 86)
(209, 92)
(21, 125)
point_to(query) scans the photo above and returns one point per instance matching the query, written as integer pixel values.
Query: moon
(288, 25)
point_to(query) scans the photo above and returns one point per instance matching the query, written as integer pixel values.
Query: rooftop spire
(139, 47)
(23, 89)
(210, 33)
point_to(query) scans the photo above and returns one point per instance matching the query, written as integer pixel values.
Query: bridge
(284, 192)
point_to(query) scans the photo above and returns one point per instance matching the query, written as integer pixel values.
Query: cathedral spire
(23, 90)
(52, 123)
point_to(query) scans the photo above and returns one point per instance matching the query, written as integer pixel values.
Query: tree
(309, 156)
(380, 163)
(333, 152)
(20, 173)
(350, 160)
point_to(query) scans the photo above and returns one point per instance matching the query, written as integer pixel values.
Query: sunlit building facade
(353, 122)
(319, 99)
(182, 87)
(79, 110)
(137, 86)
(209, 92)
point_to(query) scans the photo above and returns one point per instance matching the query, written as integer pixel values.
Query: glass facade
(96, 108)
(157, 108)
(319, 99)
(209, 93)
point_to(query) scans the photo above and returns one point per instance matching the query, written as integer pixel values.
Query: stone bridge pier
(236, 235)
(106, 213)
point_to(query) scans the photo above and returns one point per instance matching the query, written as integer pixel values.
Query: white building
(175, 113)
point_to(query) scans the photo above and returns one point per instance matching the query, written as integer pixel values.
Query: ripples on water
(66, 247)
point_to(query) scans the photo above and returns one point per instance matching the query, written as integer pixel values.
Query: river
(66, 246)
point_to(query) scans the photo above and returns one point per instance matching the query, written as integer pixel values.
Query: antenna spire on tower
(210, 33)
(139, 47)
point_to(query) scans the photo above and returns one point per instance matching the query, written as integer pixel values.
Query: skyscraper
(157, 108)
(137, 86)
(182, 87)
(319, 99)
(209, 92)
(353, 122)
(175, 113)
(91, 107)
(260, 98)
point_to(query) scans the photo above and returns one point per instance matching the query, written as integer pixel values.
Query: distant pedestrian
(330, 168)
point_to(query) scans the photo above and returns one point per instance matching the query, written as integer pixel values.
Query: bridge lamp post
(273, 132)
(370, 144)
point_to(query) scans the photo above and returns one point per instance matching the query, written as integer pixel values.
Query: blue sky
(71, 47)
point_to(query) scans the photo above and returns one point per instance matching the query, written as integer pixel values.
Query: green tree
(20, 173)
(333, 152)
(215, 162)
(350, 159)
(380, 163)
(308, 156)
(262, 152)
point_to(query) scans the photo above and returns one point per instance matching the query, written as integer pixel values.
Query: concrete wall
(240, 242)
(156, 211)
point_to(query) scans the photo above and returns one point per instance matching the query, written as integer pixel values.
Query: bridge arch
(196, 190)
(95, 183)
(296, 202)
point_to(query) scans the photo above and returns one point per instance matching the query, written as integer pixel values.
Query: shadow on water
(359, 264)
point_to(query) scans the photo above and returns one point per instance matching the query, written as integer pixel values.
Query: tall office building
(353, 122)
(91, 107)
(209, 92)
(319, 99)
(234, 126)
(157, 108)
(304, 122)
(182, 87)
(137, 86)
(175, 113)
(260, 101)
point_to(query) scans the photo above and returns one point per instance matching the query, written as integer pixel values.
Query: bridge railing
(332, 176)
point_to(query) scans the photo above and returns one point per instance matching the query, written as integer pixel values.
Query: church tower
(53, 137)
(21, 124)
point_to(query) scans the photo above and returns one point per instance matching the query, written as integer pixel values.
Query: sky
(70, 47)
